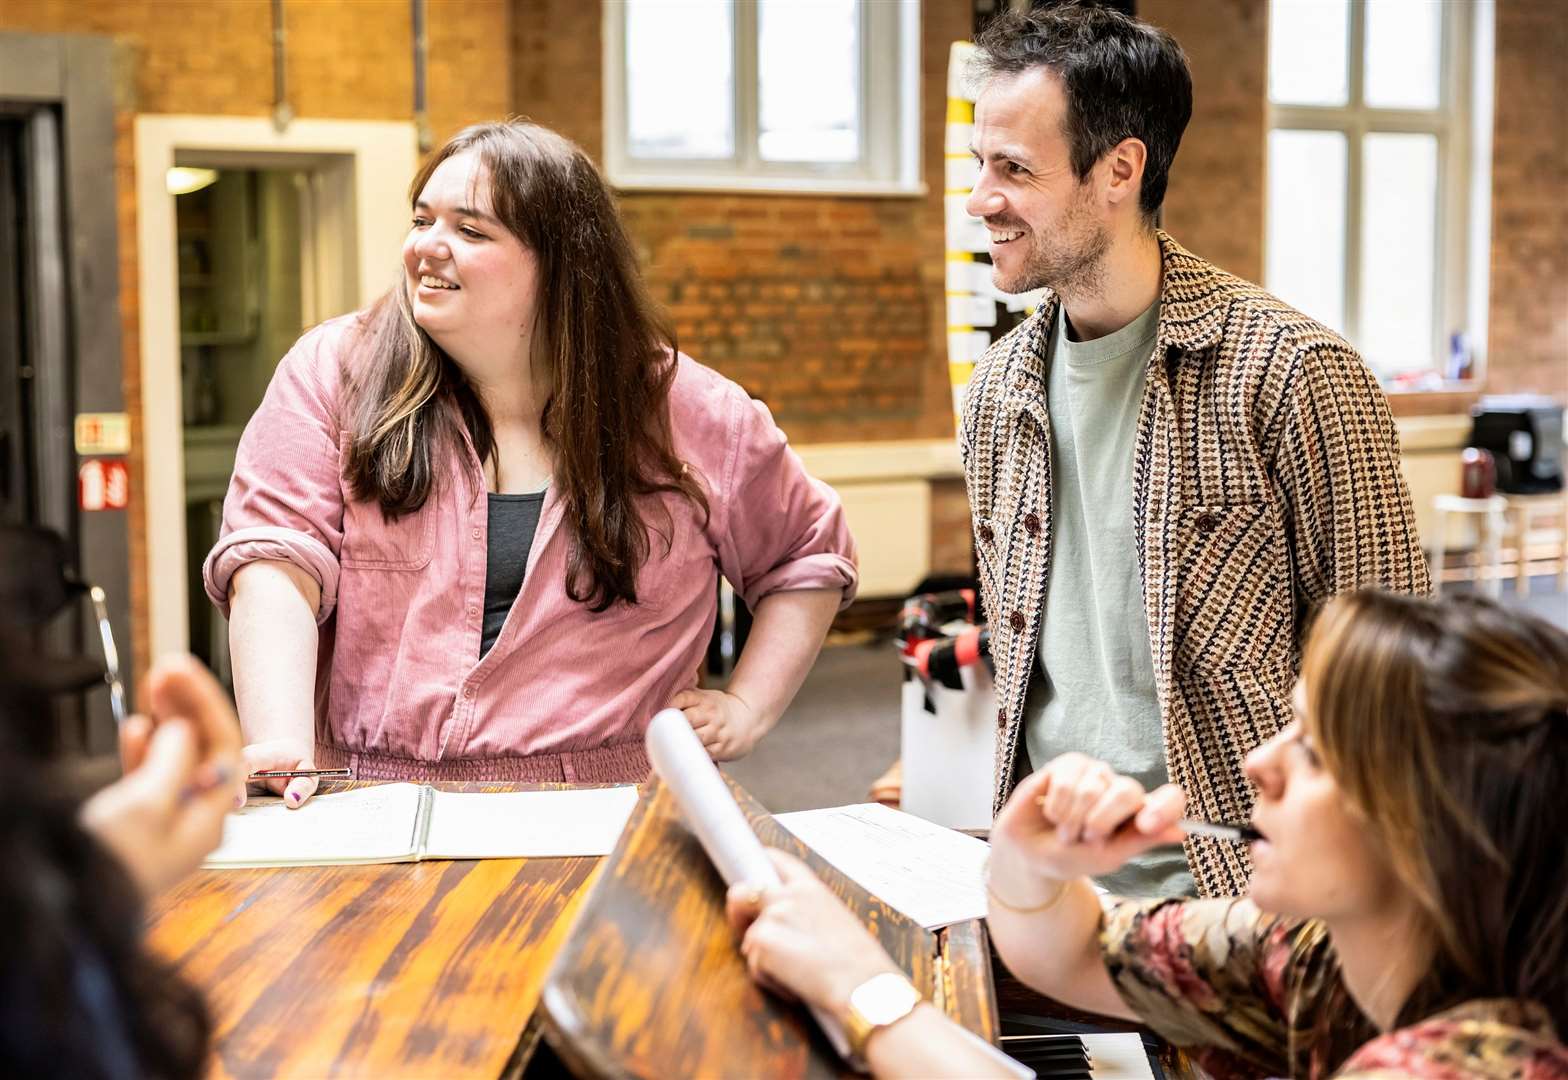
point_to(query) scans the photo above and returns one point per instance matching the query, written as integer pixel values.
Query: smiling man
(1169, 469)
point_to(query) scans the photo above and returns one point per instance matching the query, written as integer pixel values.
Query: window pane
(1399, 260)
(1308, 42)
(1306, 222)
(808, 60)
(680, 99)
(1404, 53)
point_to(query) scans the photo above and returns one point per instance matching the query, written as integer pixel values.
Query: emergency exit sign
(103, 433)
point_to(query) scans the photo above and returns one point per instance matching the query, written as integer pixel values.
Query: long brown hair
(1445, 722)
(608, 354)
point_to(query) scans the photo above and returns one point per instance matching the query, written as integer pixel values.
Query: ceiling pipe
(282, 112)
(421, 65)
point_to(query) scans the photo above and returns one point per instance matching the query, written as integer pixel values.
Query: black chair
(38, 580)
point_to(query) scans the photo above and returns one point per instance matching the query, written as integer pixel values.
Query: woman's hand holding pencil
(1078, 818)
(284, 766)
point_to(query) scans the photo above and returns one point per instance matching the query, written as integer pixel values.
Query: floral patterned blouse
(1245, 992)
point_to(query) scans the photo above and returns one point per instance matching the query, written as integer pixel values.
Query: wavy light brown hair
(608, 353)
(1445, 722)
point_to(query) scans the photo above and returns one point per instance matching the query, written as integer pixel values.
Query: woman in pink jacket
(474, 531)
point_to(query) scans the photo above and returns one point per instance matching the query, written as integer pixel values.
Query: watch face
(884, 999)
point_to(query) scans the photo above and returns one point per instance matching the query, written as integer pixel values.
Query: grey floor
(838, 736)
(841, 733)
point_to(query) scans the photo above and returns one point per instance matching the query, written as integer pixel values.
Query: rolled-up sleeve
(781, 529)
(285, 500)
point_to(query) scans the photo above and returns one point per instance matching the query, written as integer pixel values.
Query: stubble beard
(1070, 261)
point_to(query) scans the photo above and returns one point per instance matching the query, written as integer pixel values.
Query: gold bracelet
(1033, 909)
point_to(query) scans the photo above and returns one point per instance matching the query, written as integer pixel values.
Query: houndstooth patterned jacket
(1265, 479)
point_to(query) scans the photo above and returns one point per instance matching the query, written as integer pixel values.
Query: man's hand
(728, 727)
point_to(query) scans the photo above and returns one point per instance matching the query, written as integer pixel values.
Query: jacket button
(1016, 620)
(1208, 522)
(986, 535)
(1001, 717)
(1032, 524)
(468, 691)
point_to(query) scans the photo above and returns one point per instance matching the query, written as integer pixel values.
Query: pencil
(320, 774)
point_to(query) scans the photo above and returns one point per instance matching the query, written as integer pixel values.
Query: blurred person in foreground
(80, 995)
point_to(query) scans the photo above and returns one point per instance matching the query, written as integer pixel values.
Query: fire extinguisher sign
(103, 484)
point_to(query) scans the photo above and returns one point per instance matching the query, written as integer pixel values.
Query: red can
(1477, 473)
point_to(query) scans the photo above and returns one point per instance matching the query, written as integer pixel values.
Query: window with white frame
(792, 95)
(1374, 154)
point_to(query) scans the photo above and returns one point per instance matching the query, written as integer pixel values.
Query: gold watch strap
(859, 1026)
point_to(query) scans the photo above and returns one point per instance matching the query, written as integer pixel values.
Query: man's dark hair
(1123, 79)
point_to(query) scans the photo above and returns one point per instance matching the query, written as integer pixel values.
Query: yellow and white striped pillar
(977, 311)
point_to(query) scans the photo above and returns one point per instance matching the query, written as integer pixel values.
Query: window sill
(1454, 398)
(767, 185)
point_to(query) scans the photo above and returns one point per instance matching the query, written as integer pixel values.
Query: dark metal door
(17, 503)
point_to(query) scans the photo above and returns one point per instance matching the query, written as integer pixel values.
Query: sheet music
(931, 874)
(373, 824)
(527, 824)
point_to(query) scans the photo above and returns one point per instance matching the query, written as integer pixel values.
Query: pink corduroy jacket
(564, 694)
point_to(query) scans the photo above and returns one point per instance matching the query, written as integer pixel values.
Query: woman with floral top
(1408, 908)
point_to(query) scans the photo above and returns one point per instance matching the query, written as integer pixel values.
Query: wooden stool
(1489, 529)
(1521, 509)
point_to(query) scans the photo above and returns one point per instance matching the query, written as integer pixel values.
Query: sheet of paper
(931, 874)
(366, 825)
(528, 824)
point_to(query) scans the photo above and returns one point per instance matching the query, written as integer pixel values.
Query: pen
(321, 774)
(1221, 830)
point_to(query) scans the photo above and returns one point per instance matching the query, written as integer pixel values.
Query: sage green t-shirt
(1094, 692)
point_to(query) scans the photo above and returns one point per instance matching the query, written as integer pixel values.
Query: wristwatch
(879, 1001)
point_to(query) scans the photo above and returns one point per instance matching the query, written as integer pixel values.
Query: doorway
(276, 232)
(244, 238)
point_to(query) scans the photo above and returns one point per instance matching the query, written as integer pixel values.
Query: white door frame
(384, 156)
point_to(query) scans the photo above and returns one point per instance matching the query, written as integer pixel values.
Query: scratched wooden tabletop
(426, 969)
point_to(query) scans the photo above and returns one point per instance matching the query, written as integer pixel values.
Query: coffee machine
(1524, 434)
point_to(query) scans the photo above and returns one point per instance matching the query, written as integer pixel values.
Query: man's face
(1046, 227)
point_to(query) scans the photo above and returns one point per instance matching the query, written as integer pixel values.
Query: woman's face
(472, 283)
(1317, 859)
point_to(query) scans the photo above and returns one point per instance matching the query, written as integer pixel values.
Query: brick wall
(830, 309)
(1528, 346)
(1215, 203)
(347, 59)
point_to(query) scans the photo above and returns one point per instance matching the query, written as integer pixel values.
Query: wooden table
(427, 969)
